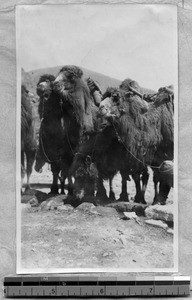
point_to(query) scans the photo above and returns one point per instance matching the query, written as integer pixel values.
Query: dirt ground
(83, 239)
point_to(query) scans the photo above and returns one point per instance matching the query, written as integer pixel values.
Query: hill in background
(31, 78)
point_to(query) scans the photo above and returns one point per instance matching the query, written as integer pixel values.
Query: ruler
(84, 286)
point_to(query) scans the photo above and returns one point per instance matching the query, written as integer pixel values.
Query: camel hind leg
(111, 191)
(70, 185)
(156, 186)
(144, 180)
(139, 197)
(162, 196)
(30, 158)
(55, 169)
(124, 195)
(101, 191)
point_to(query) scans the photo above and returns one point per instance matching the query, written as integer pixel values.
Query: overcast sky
(135, 41)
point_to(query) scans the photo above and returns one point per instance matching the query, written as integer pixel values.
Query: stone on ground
(31, 194)
(86, 206)
(160, 212)
(157, 223)
(97, 210)
(138, 208)
(130, 215)
(65, 208)
(53, 202)
(33, 202)
(105, 211)
(58, 198)
(26, 198)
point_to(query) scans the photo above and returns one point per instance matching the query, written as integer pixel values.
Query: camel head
(85, 179)
(67, 78)
(45, 86)
(111, 107)
(164, 95)
(26, 93)
(131, 85)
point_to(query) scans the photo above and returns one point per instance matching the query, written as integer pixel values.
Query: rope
(61, 103)
(69, 141)
(42, 145)
(170, 169)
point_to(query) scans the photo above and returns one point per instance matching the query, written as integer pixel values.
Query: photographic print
(97, 138)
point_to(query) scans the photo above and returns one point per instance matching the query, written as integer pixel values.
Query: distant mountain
(31, 78)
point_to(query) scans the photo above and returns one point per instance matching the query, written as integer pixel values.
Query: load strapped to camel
(133, 88)
(166, 172)
(152, 97)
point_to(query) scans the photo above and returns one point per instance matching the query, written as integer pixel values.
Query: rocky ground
(55, 235)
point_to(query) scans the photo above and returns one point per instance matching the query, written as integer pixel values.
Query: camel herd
(88, 136)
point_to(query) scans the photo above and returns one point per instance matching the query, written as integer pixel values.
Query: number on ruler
(53, 292)
(150, 290)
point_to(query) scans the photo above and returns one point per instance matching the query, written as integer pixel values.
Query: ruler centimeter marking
(84, 286)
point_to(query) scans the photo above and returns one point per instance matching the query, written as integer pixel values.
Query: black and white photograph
(97, 138)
